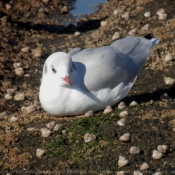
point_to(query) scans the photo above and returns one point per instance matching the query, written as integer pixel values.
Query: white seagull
(74, 83)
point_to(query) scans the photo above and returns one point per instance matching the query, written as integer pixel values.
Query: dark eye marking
(53, 70)
(45, 69)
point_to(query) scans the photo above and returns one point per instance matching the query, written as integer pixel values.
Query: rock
(30, 109)
(25, 49)
(8, 97)
(147, 14)
(144, 166)
(38, 52)
(133, 104)
(121, 122)
(45, 132)
(77, 33)
(145, 27)
(13, 119)
(137, 173)
(19, 96)
(107, 110)
(116, 36)
(50, 125)
(122, 162)
(123, 114)
(103, 23)
(169, 81)
(121, 105)
(125, 137)
(156, 154)
(40, 152)
(19, 71)
(134, 150)
(89, 137)
(89, 113)
(58, 127)
(162, 148)
(126, 16)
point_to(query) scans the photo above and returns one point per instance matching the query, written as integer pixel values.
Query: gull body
(90, 79)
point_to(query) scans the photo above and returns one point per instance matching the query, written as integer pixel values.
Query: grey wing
(74, 51)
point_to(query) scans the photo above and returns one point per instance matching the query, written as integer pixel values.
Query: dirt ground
(30, 31)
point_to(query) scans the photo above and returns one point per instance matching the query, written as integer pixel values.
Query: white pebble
(121, 173)
(137, 173)
(11, 91)
(103, 23)
(121, 122)
(122, 162)
(134, 150)
(169, 81)
(8, 97)
(125, 137)
(116, 36)
(123, 114)
(58, 127)
(126, 16)
(45, 132)
(107, 110)
(145, 27)
(40, 152)
(160, 11)
(77, 33)
(121, 105)
(17, 65)
(163, 17)
(89, 113)
(133, 104)
(50, 125)
(157, 173)
(89, 137)
(144, 166)
(115, 12)
(30, 109)
(13, 119)
(132, 32)
(38, 52)
(162, 148)
(147, 14)
(169, 57)
(25, 49)
(8, 6)
(156, 154)
(19, 71)
(64, 132)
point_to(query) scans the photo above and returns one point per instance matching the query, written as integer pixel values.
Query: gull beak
(67, 80)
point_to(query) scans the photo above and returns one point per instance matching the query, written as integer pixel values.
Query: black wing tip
(149, 36)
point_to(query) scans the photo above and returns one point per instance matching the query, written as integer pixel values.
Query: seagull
(91, 79)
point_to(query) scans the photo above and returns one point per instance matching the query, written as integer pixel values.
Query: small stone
(137, 173)
(125, 137)
(40, 152)
(30, 109)
(19, 96)
(8, 6)
(134, 150)
(27, 75)
(163, 16)
(156, 154)
(133, 104)
(65, 9)
(145, 27)
(169, 81)
(123, 114)
(8, 97)
(46, 1)
(121, 173)
(147, 14)
(45, 132)
(25, 49)
(157, 173)
(103, 23)
(121, 122)
(19, 71)
(144, 166)
(169, 57)
(6, 84)
(126, 16)
(107, 110)
(50, 125)
(13, 119)
(160, 11)
(115, 12)
(122, 162)
(38, 52)
(89, 113)
(16, 65)
(77, 33)
(132, 32)
(32, 129)
(116, 36)
(58, 127)
(162, 148)
(64, 132)
(121, 105)
(89, 137)
(11, 91)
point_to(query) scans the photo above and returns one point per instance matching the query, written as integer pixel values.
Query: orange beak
(67, 80)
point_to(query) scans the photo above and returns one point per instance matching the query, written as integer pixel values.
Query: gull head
(59, 69)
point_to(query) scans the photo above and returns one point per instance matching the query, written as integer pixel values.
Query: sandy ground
(28, 34)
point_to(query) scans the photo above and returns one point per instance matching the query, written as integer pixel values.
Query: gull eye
(53, 70)
(71, 70)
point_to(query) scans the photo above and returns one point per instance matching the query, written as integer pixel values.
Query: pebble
(125, 137)
(121, 105)
(8, 97)
(157, 173)
(121, 122)
(137, 172)
(40, 152)
(11, 91)
(133, 104)
(19, 71)
(19, 96)
(46, 1)
(58, 127)
(89, 137)
(134, 150)
(126, 16)
(156, 154)
(122, 162)
(162, 148)
(145, 27)
(116, 36)
(160, 11)
(89, 113)
(65, 9)
(163, 16)
(115, 12)
(132, 32)
(147, 14)
(6, 84)
(121, 173)
(30, 109)
(123, 114)
(107, 110)
(13, 119)
(31, 129)
(169, 81)
(27, 75)
(64, 132)
(50, 125)
(169, 57)
(25, 49)
(38, 52)
(45, 132)
(8, 6)
(77, 33)
(144, 166)
(103, 23)
(16, 65)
